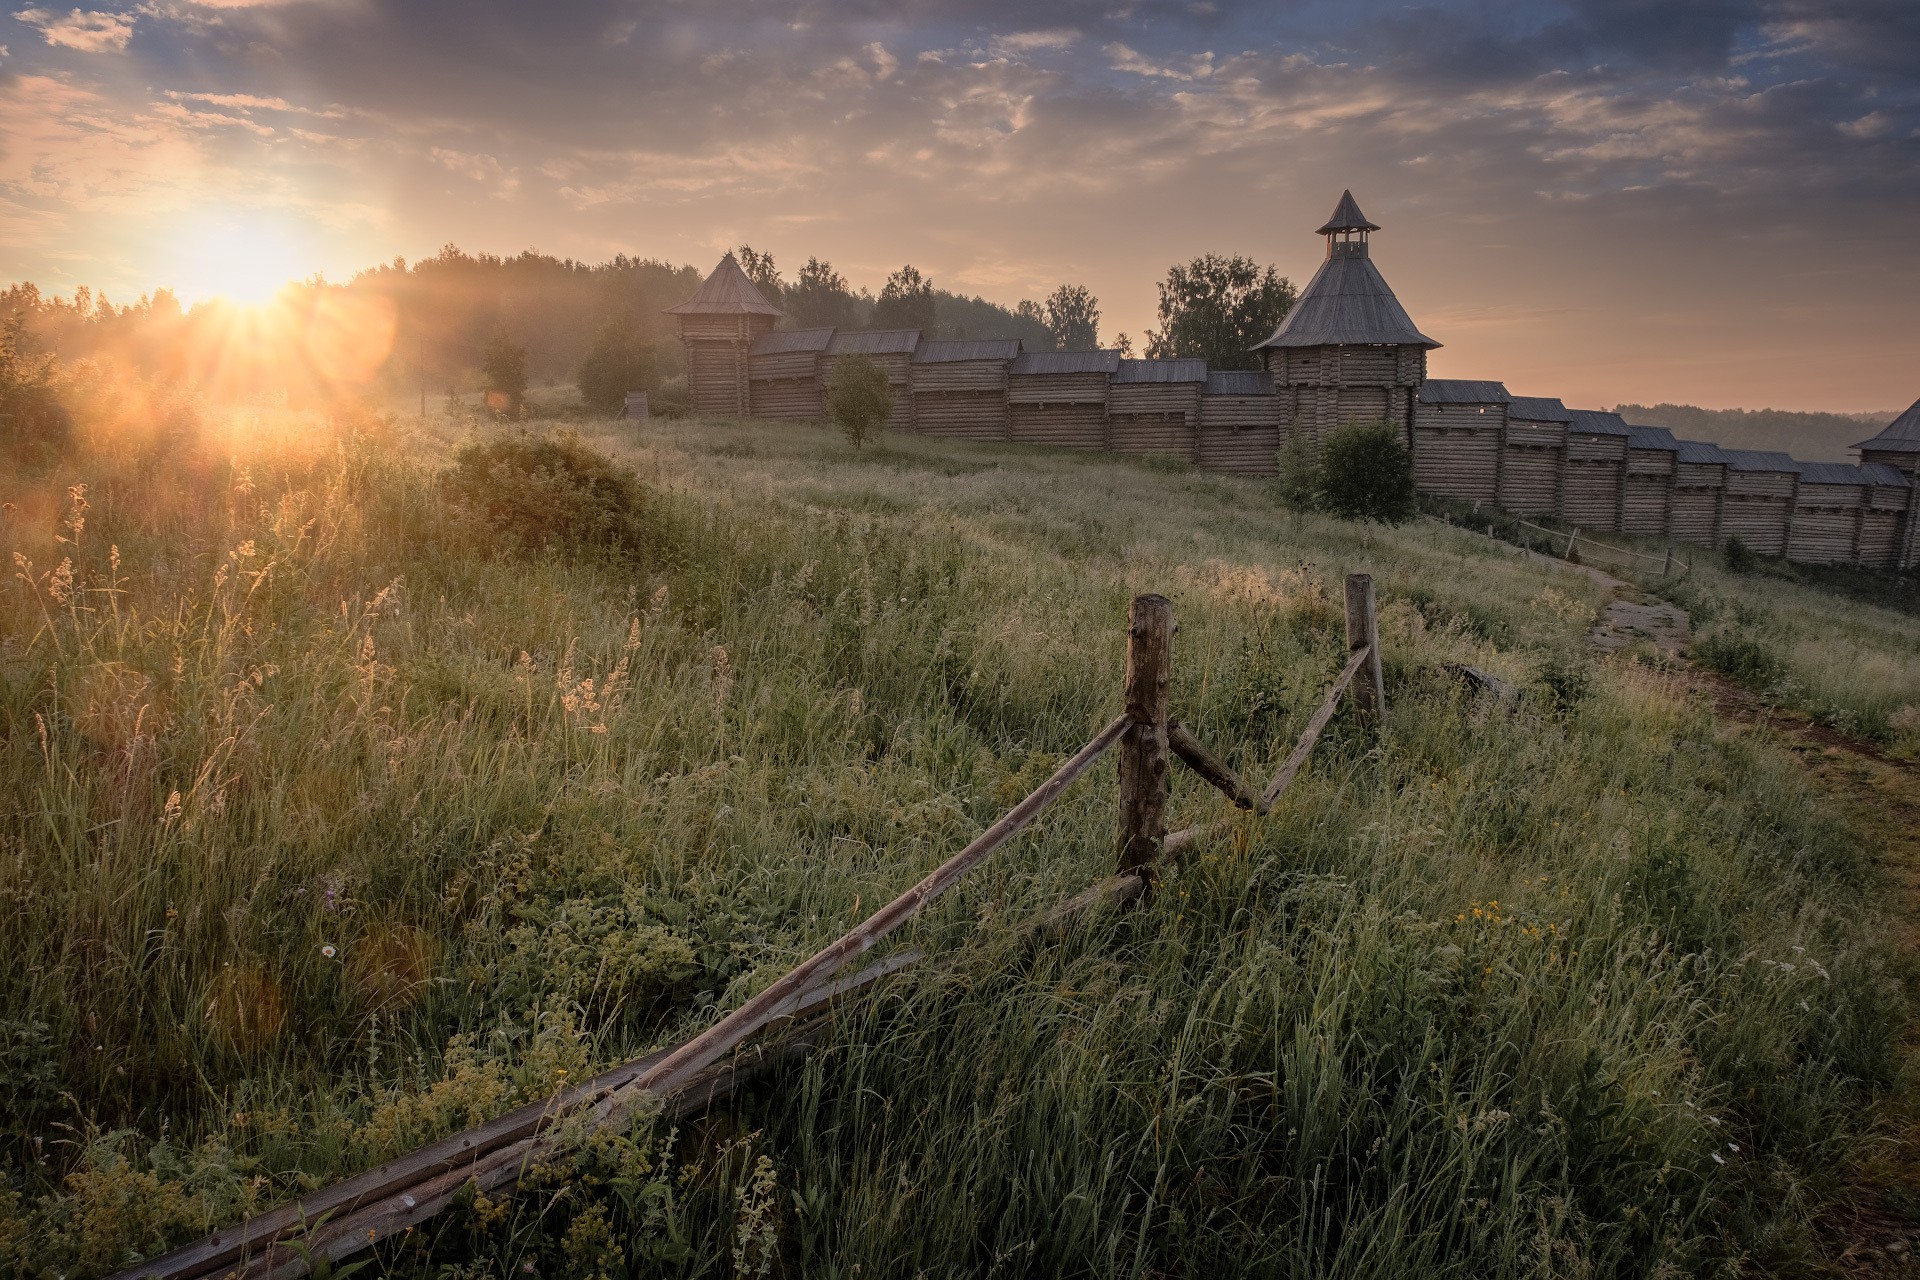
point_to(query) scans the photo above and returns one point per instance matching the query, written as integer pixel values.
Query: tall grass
(331, 826)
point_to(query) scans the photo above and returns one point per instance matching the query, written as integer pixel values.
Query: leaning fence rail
(324, 1227)
(1568, 544)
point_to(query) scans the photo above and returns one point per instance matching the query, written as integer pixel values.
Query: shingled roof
(1901, 436)
(1538, 409)
(1702, 452)
(1462, 391)
(1233, 382)
(874, 342)
(782, 341)
(1760, 460)
(1347, 303)
(1595, 422)
(1042, 362)
(1830, 473)
(726, 292)
(1651, 438)
(948, 350)
(1161, 371)
(1347, 217)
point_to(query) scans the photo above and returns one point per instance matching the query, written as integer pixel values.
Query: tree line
(457, 321)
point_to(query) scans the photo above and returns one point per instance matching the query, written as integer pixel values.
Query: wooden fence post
(1143, 748)
(1363, 628)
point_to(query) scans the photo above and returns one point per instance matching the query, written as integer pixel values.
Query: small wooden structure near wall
(1533, 455)
(1759, 499)
(1646, 493)
(786, 374)
(1059, 398)
(1153, 406)
(1239, 424)
(892, 350)
(960, 387)
(1458, 427)
(718, 327)
(1596, 466)
(1699, 481)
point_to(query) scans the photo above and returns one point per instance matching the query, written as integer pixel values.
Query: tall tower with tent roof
(717, 327)
(1348, 351)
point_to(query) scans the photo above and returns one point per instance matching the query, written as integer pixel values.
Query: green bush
(620, 361)
(1299, 471)
(1740, 557)
(538, 493)
(1741, 658)
(1366, 473)
(859, 397)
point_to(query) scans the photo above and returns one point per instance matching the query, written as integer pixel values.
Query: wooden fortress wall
(1526, 456)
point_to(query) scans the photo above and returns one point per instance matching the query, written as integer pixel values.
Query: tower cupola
(1346, 231)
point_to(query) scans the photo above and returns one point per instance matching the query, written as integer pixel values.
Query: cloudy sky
(1715, 201)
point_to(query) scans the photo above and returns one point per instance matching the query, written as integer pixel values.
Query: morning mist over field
(1708, 203)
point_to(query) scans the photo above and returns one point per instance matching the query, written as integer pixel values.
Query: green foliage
(619, 361)
(905, 302)
(819, 298)
(859, 397)
(1299, 482)
(1366, 473)
(1494, 988)
(34, 426)
(1217, 309)
(1739, 556)
(503, 372)
(759, 268)
(1744, 658)
(537, 493)
(1072, 313)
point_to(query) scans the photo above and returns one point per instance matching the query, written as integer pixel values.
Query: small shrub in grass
(1739, 556)
(1299, 471)
(859, 397)
(1742, 658)
(537, 493)
(1366, 473)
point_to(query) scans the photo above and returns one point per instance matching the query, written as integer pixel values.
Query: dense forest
(431, 323)
(1811, 437)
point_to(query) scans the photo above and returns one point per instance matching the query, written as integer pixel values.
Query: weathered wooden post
(1143, 749)
(1363, 628)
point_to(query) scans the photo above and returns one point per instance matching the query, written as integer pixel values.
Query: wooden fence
(318, 1230)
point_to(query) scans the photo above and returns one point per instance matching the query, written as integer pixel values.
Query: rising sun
(239, 258)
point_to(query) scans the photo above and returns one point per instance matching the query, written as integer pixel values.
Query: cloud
(79, 29)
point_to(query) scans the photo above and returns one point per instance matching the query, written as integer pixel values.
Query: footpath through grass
(330, 827)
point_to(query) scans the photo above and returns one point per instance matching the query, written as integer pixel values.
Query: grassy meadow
(331, 822)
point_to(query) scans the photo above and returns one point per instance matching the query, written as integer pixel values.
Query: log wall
(1590, 486)
(1240, 434)
(1644, 500)
(1456, 450)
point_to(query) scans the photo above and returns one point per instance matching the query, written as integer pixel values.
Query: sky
(1705, 201)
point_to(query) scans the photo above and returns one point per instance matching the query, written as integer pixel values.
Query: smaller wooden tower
(718, 325)
(1348, 351)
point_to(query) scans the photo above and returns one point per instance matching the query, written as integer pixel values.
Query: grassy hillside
(330, 826)
(1810, 437)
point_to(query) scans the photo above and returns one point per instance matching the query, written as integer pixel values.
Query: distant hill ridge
(1810, 437)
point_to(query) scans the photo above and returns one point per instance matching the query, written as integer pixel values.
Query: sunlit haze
(1604, 200)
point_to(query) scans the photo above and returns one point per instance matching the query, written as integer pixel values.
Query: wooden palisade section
(786, 1019)
(1346, 352)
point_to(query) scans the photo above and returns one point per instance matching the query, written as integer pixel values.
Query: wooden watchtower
(718, 325)
(1348, 351)
(1898, 447)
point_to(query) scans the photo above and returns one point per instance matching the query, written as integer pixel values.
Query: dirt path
(1874, 1231)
